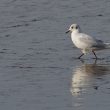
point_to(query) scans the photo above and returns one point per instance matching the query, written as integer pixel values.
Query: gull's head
(74, 28)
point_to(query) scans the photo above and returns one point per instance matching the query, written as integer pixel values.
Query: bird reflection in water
(85, 76)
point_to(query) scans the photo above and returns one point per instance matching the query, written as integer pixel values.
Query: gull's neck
(75, 32)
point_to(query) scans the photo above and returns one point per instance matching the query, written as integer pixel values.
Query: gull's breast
(79, 44)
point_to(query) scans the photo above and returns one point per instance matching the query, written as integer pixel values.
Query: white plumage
(85, 42)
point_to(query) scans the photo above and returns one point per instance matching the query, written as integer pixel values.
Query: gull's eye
(72, 27)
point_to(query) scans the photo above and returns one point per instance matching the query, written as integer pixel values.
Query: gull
(85, 42)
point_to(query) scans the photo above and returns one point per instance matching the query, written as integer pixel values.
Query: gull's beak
(67, 31)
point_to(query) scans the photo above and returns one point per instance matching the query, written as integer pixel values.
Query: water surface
(38, 65)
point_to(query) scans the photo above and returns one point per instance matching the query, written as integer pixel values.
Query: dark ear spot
(77, 27)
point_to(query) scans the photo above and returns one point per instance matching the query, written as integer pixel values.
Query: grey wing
(88, 40)
(92, 42)
(99, 44)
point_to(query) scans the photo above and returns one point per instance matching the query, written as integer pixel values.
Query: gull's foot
(78, 57)
(98, 58)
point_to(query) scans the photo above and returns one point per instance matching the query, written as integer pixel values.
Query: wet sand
(38, 65)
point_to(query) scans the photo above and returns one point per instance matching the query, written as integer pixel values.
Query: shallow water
(38, 65)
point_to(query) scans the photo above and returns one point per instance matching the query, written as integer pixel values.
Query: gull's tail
(107, 45)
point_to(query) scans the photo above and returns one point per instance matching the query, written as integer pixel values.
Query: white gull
(85, 42)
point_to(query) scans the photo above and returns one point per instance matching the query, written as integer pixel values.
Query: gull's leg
(80, 55)
(94, 54)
